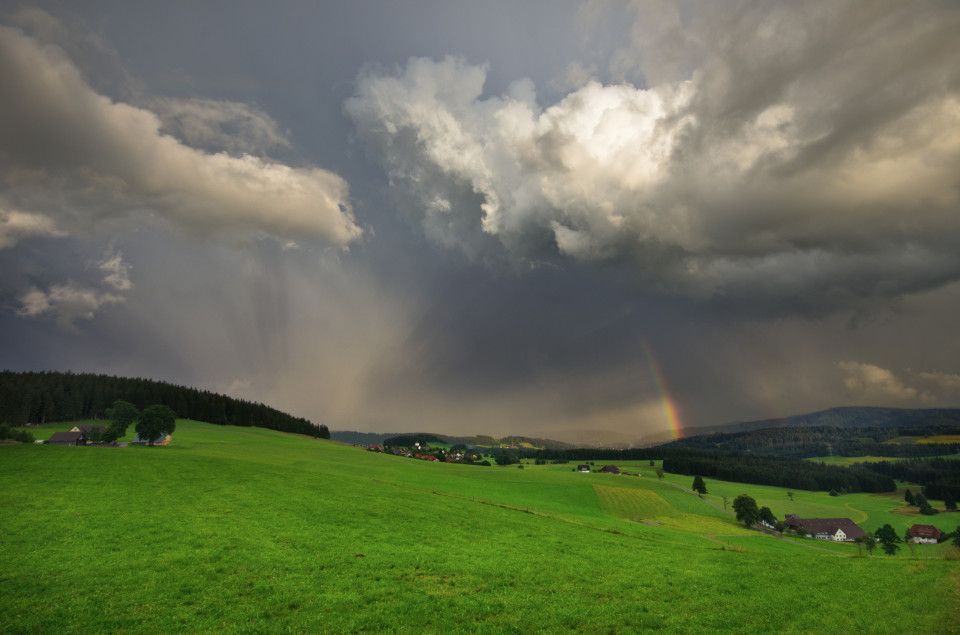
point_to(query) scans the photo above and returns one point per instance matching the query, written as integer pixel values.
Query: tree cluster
(53, 396)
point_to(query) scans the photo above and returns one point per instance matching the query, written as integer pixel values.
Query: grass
(249, 530)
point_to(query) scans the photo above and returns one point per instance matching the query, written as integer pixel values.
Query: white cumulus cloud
(812, 151)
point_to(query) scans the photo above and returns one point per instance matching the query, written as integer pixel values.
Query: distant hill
(838, 431)
(53, 396)
(847, 417)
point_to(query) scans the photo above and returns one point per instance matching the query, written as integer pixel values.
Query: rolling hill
(245, 529)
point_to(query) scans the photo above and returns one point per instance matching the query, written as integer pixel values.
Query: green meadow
(250, 530)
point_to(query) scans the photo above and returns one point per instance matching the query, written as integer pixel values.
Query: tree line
(40, 397)
(938, 477)
(811, 441)
(777, 471)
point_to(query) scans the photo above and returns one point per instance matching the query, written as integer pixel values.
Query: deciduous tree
(889, 539)
(121, 415)
(156, 421)
(746, 509)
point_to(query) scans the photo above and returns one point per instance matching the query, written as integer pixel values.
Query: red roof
(925, 531)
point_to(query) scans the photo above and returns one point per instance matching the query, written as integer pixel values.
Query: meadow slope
(249, 530)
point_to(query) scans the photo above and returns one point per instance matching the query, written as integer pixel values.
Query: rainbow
(669, 407)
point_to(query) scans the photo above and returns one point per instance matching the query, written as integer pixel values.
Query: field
(249, 530)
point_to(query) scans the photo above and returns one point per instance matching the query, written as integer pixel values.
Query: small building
(67, 438)
(583, 468)
(610, 469)
(838, 529)
(924, 534)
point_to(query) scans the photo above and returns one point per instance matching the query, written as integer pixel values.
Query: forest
(939, 477)
(812, 441)
(779, 472)
(43, 397)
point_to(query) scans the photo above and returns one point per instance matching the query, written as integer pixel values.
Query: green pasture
(249, 530)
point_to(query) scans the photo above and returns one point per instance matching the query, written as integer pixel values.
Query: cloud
(66, 302)
(118, 272)
(946, 381)
(81, 157)
(219, 125)
(875, 384)
(16, 226)
(809, 157)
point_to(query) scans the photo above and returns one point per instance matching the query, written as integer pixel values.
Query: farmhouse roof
(612, 469)
(826, 525)
(924, 531)
(65, 437)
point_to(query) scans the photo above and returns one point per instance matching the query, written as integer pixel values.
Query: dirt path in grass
(854, 509)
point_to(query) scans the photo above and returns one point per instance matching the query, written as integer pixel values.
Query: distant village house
(924, 534)
(838, 529)
(610, 469)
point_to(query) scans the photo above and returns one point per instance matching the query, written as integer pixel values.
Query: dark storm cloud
(809, 154)
(659, 155)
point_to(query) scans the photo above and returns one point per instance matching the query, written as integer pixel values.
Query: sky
(601, 221)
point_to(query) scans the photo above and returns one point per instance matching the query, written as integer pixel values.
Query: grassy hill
(245, 529)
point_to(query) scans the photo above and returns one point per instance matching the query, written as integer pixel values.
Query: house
(610, 469)
(583, 468)
(839, 529)
(89, 428)
(68, 438)
(924, 534)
